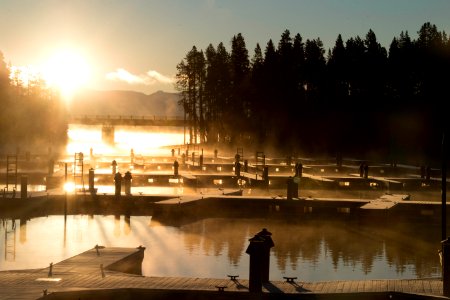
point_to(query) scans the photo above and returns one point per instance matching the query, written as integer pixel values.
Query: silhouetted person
(183, 159)
(366, 171)
(237, 157)
(127, 178)
(299, 169)
(428, 173)
(118, 183)
(422, 171)
(361, 170)
(237, 168)
(245, 165)
(114, 167)
(215, 153)
(173, 152)
(290, 188)
(175, 168)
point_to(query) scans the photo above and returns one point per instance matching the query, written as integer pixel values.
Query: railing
(126, 119)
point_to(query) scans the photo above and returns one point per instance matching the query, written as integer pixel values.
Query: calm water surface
(312, 250)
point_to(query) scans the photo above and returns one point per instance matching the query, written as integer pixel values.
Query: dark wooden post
(444, 190)
(445, 260)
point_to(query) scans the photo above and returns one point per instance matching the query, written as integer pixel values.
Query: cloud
(149, 78)
(159, 77)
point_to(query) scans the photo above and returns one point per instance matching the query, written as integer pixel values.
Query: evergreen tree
(270, 89)
(315, 70)
(374, 62)
(355, 50)
(337, 64)
(284, 81)
(4, 96)
(224, 90)
(239, 110)
(190, 81)
(354, 93)
(257, 122)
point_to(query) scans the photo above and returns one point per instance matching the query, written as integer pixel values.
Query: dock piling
(102, 270)
(23, 187)
(265, 259)
(446, 267)
(255, 250)
(50, 271)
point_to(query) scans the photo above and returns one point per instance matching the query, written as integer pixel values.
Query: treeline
(356, 98)
(32, 116)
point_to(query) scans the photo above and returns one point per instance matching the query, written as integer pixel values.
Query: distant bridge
(112, 120)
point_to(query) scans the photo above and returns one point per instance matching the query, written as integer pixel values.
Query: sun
(66, 70)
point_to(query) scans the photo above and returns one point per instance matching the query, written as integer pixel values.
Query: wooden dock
(82, 274)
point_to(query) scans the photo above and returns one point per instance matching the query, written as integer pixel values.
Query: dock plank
(87, 275)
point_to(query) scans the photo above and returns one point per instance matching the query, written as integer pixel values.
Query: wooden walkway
(82, 272)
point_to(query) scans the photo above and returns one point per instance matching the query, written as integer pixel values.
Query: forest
(32, 116)
(357, 99)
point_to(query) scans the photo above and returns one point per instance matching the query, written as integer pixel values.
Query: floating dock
(104, 273)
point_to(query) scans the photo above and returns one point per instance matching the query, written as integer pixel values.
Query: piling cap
(265, 232)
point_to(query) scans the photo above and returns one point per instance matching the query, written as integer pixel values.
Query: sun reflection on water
(142, 140)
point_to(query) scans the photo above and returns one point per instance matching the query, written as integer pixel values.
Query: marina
(203, 210)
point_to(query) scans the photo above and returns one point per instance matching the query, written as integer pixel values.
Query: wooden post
(50, 271)
(23, 187)
(103, 271)
(444, 190)
(446, 267)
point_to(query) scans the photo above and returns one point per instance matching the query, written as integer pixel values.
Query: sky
(136, 44)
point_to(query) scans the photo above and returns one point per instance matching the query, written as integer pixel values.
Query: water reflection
(145, 140)
(313, 249)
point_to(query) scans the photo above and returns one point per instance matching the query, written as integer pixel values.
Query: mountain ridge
(123, 102)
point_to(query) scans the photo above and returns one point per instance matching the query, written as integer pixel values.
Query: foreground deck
(82, 275)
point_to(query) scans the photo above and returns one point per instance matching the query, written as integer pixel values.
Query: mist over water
(144, 140)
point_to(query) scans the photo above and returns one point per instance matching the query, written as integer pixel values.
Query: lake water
(313, 250)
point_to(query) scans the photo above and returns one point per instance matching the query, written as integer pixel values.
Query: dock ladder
(11, 170)
(10, 239)
(260, 163)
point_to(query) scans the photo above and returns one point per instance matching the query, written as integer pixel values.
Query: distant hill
(91, 102)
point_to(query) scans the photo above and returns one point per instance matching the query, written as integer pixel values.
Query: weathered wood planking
(82, 272)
